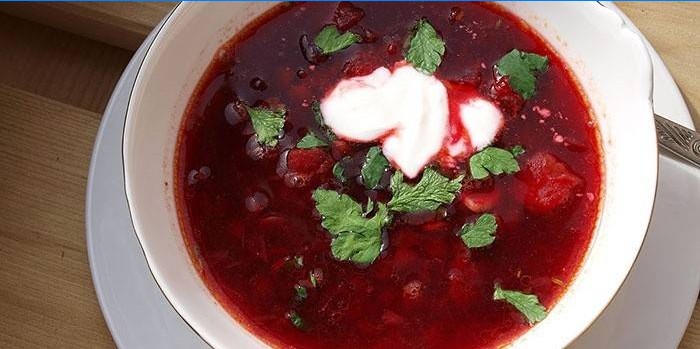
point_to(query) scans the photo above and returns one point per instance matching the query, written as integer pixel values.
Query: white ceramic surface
(617, 85)
(661, 282)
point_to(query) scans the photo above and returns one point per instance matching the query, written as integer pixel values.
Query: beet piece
(551, 184)
(347, 15)
(509, 101)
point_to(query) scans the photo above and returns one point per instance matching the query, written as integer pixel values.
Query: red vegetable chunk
(551, 184)
(347, 15)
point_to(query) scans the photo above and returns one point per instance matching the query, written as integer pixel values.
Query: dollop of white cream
(408, 112)
(482, 120)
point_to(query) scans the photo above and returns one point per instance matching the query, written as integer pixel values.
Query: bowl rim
(182, 6)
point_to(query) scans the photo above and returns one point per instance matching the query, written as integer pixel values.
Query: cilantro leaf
(517, 150)
(429, 193)
(311, 141)
(492, 160)
(330, 40)
(362, 247)
(267, 123)
(527, 304)
(480, 233)
(426, 48)
(301, 292)
(374, 167)
(520, 67)
(355, 238)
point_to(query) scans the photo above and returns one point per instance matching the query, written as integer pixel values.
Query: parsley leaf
(431, 191)
(267, 123)
(355, 238)
(330, 40)
(517, 150)
(301, 292)
(492, 160)
(374, 167)
(527, 304)
(426, 48)
(339, 172)
(520, 67)
(480, 233)
(311, 141)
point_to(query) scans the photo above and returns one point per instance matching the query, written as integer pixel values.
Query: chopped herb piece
(299, 261)
(331, 40)
(520, 68)
(527, 304)
(313, 279)
(301, 292)
(311, 141)
(295, 319)
(267, 123)
(369, 207)
(426, 48)
(517, 150)
(429, 193)
(339, 172)
(480, 233)
(355, 238)
(318, 117)
(374, 167)
(492, 160)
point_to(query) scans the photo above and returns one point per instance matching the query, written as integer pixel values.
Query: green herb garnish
(429, 193)
(426, 48)
(311, 141)
(355, 238)
(267, 123)
(299, 261)
(339, 172)
(312, 279)
(318, 117)
(520, 68)
(480, 233)
(517, 150)
(301, 292)
(295, 319)
(492, 160)
(374, 167)
(527, 304)
(331, 40)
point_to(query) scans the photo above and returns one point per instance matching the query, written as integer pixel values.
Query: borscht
(387, 174)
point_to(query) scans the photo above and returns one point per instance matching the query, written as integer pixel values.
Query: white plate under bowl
(664, 281)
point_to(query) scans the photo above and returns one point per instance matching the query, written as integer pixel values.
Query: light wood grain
(122, 24)
(46, 294)
(674, 30)
(61, 80)
(58, 65)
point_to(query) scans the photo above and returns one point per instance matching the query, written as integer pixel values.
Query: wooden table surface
(58, 65)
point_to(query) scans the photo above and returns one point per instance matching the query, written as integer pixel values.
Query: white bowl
(609, 60)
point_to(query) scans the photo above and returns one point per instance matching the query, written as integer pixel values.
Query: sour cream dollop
(409, 113)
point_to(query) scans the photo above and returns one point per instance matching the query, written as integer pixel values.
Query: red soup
(311, 242)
